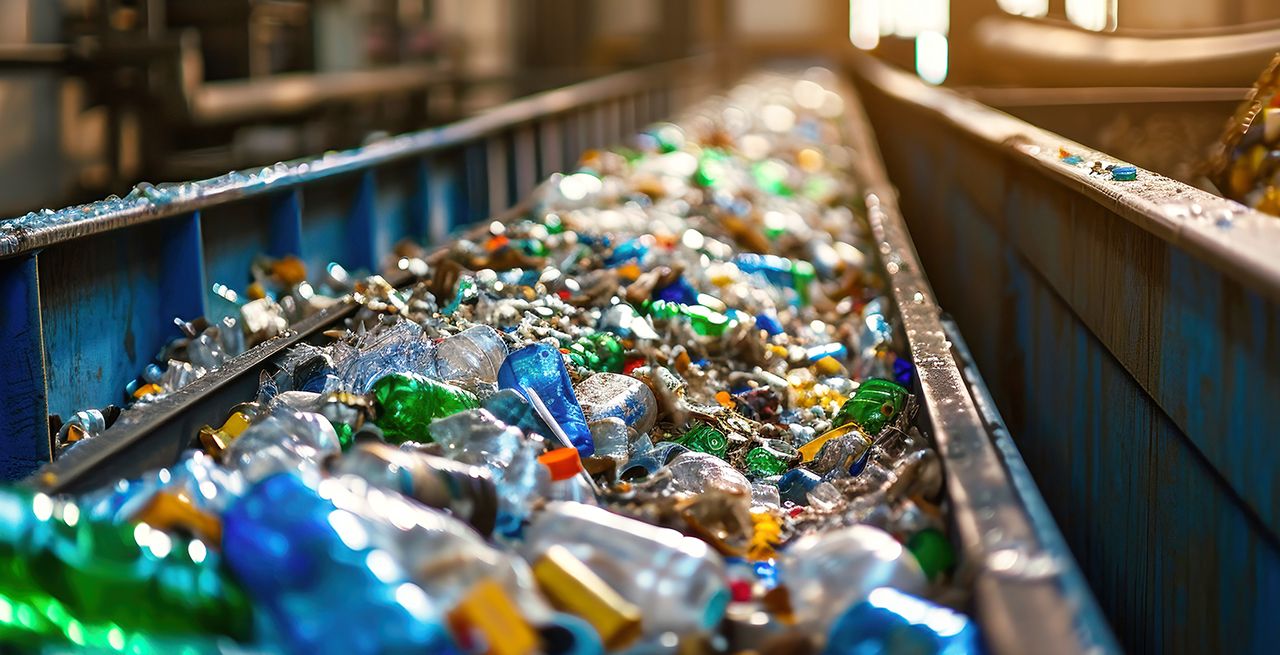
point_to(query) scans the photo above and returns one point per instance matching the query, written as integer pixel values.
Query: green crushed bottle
(933, 551)
(553, 224)
(705, 439)
(599, 352)
(761, 463)
(874, 405)
(771, 176)
(408, 403)
(67, 579)
(346, 436)
(802, 276)
(704, 321)
(710, 167)
(534, 247)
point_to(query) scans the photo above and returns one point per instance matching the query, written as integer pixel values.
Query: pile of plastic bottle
(666, 411)
(1245, 164)
(279, 296)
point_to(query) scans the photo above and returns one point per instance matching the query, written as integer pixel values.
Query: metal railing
(90, 292)
(1128, 329)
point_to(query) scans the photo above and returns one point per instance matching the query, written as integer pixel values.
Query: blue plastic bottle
(892, 621)
(309, 566)
(539, 369)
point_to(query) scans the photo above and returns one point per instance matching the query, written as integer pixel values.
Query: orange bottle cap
(564, 463)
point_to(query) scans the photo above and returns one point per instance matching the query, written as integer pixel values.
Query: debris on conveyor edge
(667, 411)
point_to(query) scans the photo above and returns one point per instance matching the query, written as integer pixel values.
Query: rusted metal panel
(1134, 358)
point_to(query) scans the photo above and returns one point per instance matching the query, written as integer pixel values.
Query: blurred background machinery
(112, 92)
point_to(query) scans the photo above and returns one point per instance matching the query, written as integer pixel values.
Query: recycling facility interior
(1074, 175)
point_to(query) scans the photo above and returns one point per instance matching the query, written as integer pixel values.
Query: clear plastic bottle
(611, 438)
(476, 437)
(283, 440)
(694, 472)
(476, 353)
(683, 589)
(606, 395)
(565, 480)
(443, 555)
(830, 571)
(467, 492)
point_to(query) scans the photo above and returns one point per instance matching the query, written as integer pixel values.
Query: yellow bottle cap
(236, 424)
(573, 587)
(810, 450)
(829, 366)
(147, 390)
(490, 615)
(168, 511)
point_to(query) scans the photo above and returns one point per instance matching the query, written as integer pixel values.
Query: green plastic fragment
(705, 439)
(761, 463)
(874, 405)
(933, 551)
(408, 403)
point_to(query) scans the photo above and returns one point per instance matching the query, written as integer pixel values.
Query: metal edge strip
(103, 216)
(1021, 607)
(1240, 242)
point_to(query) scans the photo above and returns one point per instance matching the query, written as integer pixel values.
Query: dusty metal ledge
(1027, 590)
(1234, 239)
(18, 236)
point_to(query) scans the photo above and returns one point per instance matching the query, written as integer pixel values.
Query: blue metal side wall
(1133, 377)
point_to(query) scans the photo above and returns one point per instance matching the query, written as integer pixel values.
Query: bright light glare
(888, 16)
(1034, 8)
(931, 57)
(1096, 15)
(579, 185)
(935, 15)
(864, 23)
(871, 19)
(908, 21)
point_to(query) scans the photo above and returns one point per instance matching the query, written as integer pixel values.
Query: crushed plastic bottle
(684, 592)
(325, 568)
(538, 373)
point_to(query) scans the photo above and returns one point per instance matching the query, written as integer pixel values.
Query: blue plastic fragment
(796, 484)
(769, 324)
(890, 621)
(627, 251)
(304, 562)
(539, 368)
(767, 573)
(904, 372)
(679, 291)
(1124, 173)
(837, 350)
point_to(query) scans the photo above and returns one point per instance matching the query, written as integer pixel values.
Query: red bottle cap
(563, 463)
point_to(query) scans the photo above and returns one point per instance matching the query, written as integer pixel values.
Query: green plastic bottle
(874, 405)
(599, 352)
(933, 551)
(705, 439)
(761, 463)
(68, 579)
(408, 403)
